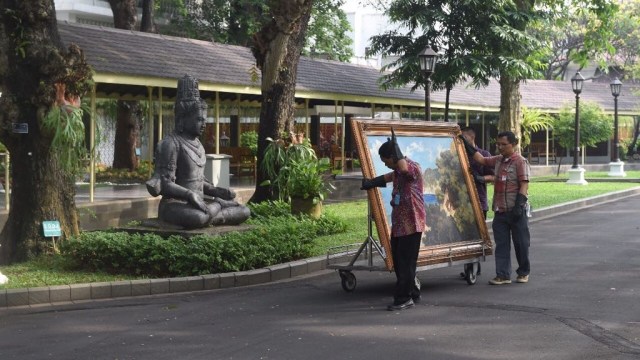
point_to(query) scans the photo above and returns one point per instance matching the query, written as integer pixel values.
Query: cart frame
(369, 247)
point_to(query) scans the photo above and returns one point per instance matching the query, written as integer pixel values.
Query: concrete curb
(60, 294)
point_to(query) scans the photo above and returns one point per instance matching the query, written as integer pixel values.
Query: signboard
(51, 228)
(20, 128)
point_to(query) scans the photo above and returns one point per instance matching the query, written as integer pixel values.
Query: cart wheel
(348, 281)
(470, 273)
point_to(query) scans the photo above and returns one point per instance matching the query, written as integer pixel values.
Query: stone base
(164, 229)
(617, 169)
(576, 177)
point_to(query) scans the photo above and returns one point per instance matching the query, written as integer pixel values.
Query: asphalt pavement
(582, 302)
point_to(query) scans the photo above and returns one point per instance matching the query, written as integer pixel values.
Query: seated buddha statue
(190, 200)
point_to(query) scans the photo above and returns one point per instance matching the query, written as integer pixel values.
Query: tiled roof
(151, 56)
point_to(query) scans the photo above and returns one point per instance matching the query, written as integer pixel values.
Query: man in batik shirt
(408, 219)
(510, 196)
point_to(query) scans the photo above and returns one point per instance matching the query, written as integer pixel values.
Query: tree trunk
(127, 133)
(40, 192)
(277, 50)
(509, 105)
(446, 103)
(124, 14)
(636, 132)
(127, 121)
(147, 24)
(31, 63)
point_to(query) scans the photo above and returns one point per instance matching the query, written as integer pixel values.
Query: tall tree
(327, 33)
(277, 51)
(624, 63)
(484, 40)
(564, 40)
(40, 83)
(595, 125)
(235, 21)
(129, 113)
(597, 37)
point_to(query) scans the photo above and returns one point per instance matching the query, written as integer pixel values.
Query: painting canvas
(456, 229)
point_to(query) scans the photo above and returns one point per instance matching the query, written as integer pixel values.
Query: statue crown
(188, 89)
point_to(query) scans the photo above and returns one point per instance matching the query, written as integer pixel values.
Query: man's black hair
(386, 149)
(469, 129)
(511, 137)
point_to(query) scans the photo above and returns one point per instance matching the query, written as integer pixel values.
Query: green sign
(51, 228)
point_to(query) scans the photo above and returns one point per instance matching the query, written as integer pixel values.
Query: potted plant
(307, 186)
(296, 175)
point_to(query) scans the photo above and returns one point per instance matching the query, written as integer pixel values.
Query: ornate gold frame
(367, 131)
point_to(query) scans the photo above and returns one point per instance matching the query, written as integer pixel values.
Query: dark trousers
(404, 250)
(505, 229)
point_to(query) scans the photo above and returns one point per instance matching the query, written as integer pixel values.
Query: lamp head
(427, 60)
(576, 83)
(616, 87)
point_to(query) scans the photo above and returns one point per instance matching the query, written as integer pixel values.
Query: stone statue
(188, 199)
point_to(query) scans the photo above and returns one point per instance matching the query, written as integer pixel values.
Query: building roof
(127, 62)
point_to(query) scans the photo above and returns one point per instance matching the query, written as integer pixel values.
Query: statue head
(189, 107)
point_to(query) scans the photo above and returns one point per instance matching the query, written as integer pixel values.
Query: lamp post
(576, 84)
(427, 65)
(616, 167)
(576, 173)
(616, 86)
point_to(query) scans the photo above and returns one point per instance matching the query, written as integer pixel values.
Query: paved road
(583, 302)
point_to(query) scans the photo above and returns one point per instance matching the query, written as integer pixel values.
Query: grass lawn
(595, 175)
(543, 192)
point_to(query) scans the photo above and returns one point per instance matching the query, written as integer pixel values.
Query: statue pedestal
(165, 230)
(576, 177)
(216, 170)
(617, 169)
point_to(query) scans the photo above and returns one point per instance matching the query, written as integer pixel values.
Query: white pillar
(576, 176)
(617, 169)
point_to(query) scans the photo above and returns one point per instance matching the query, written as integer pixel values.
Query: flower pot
(306, 207)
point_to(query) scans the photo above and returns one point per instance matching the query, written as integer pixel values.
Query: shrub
(268, 209)
(275, 239)
(124, 176)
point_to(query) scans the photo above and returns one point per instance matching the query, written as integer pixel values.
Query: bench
(242, 162)
(538, 153)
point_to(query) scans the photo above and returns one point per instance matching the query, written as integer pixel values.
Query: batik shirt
(509, 173)
(408, 216)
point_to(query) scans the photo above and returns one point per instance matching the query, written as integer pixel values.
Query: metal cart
(371, 256)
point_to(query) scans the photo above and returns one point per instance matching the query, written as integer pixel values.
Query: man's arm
(524, 188)
(403, 167)
(472, 152)
(380, 181)
(479, 158)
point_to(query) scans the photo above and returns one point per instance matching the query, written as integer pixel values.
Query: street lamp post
(576, 83)
(616, 86)
(616, 167)
(576, 173)
(427, 65)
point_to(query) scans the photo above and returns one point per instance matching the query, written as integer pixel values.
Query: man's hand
(470, 149)
(396, 154)
(372, 183)
(479, 178)
(518, 209)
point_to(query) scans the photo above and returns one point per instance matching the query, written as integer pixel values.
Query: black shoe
(416, 298)
(405, 305)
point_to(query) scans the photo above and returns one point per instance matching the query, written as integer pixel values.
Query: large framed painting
(456, 229)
